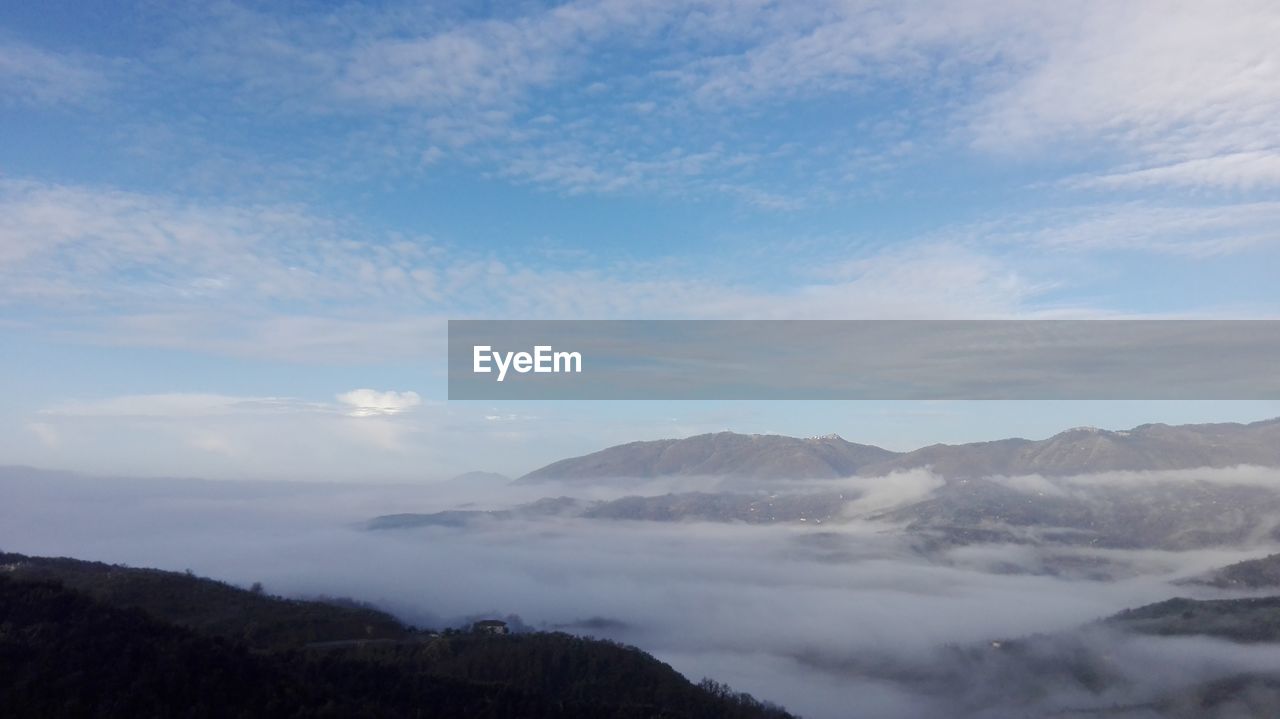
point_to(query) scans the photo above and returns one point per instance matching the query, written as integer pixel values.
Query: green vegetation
(1240, 620)
(208, 606)
(80, 639)
(1249, 574)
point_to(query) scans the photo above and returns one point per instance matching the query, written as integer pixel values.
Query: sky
(231, 235)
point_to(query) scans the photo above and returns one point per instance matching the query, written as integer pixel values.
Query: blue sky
(230, 236)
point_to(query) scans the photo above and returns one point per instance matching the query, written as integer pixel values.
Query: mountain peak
(1080, 450)
(724, 454)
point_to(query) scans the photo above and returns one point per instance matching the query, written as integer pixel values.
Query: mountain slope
(66, 653)
(207, 606)
(1249, 574)
(1248, 620)
(1087, 450)
(1076, 451)
(1173, 515)
(754, 456)
(817, 507)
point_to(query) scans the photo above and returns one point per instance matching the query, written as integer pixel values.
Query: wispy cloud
(1187, 230)
(65, 241)
(1244, 171)
(854, 47)
(1190, 91)
(126, 268)
(31, 75)
(258, 435)
(177, 405)
(121, 267)
(682, 99)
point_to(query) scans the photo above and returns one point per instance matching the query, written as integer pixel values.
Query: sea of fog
(828, 621)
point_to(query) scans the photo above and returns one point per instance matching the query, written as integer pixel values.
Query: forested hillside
(80, 639)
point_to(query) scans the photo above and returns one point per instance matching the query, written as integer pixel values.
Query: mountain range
(1081, 450)
(751, 456)
(1008, 491)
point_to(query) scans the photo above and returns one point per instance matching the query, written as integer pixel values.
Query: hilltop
(188, 646)
(1075, 451)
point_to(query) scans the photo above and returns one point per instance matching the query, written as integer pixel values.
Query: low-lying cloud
(819, 619)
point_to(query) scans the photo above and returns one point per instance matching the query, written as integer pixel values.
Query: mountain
(1087, 450)
(207, 606)
(1247, 620)
(725, 454)
(1169, 660)
(1173, 514)
(548, 507)
(1133, 664)
(816, 507)
(1249, 574)
(1076, 451)
(481, 479)
(1008, 491)
(98, 652)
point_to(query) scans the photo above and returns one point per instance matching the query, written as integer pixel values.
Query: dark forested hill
(108, 653)
(209, 606)
(1249, 574)
(1249, 619)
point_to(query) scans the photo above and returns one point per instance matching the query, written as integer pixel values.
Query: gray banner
(864, 359)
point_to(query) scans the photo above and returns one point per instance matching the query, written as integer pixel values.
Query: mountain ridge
(756, 456)
(97, 640)
(1080, 450)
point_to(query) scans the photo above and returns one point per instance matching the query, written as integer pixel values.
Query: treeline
(211, 607)
(67, 652)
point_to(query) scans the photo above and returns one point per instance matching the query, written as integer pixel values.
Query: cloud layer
(820, 620)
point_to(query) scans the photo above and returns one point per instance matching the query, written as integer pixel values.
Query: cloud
(1194, 230)
(515, 90)
(361, 435)
(372, 403)
(33, 76)
(66, 241)
(127, 268)
(215, 443)
(356, 403)
(45, 432)
(1147, 95)
(1242, 171)
(111, 267)
(817, 619)
(177, 405)
(855, 47)
(321, 337)
(1191, 91)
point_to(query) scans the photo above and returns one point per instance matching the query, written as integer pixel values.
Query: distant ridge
(478, 478)
(1085, 450)
(1076, 451)
(754, 456)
